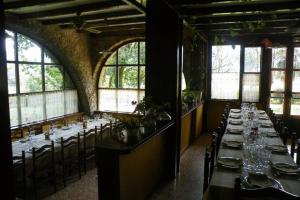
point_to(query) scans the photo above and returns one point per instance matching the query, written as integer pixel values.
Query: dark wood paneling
(6, 171)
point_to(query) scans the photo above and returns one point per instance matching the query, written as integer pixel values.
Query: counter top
(126, 141)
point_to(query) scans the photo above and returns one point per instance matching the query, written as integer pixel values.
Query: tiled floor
(187, 185)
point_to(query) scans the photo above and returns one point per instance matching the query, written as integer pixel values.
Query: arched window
(38, 86)
(122, 79)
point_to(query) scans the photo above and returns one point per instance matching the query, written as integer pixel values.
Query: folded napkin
(261, 112)
(233, 144)
(266, 125)
(277, 148)
(259, 180)
(235, 130)
(235, 122)
(230, 162)
(263, 117)
(286, 168)
(235, 116)
(235, 110)
(272, 134)
(66, 128)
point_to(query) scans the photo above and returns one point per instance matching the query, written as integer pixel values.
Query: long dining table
(223, 179)
(39, 140)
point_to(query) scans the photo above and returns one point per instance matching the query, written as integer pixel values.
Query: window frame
(117, 87)
(43, 91)
(241, 72)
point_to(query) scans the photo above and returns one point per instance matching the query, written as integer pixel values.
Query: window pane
(128, 54)
(28, 50)
(142, 77)
(13, 110)
(297, 57)
(11, 78)
(142, 53)
(296, 81)
(107, 100)
(128, 77)
(225, 72)
(125, 98)
(111, 60)
(54, 104)
(278, 57)
(71, 101)
(30, 78)
(53, 77)
(48, 58)
(276, 104)
(108, 77)
(295, 104)
(31, 107)
(10, 45)
(251, 87)
(252, 59)
(278, 78)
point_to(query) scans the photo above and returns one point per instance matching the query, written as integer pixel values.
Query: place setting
(235, 130)
(230, 162)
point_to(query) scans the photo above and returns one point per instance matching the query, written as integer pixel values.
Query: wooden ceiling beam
(73, 9)
(134, 4)
(122, 28)
(246, 17)
(98, 16)
(28, 3)
(239, 30)
(268, 24)
(120, 22)
(194, 10)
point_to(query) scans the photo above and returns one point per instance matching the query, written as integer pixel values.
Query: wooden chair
(212, 155)
(89, 142)
(293, 143)
(298, 153)
(20, 176)
(43, 165)
(261, 193)
(284, 134)
(206, 169)
(70, 157)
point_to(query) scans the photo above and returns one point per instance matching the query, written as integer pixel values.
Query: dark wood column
(6, 172)
(163, 69)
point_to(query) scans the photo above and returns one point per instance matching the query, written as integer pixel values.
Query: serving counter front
(131, 164)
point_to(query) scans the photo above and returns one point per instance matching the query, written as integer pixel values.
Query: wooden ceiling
(94, 16)
(241, 17)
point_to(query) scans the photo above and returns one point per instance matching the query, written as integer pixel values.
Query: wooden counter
(131, 166)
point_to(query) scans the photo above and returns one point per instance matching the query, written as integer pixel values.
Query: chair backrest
(206, 169)
(298, 152)
(20, 175)
(41, 156)
(89, 140)
(70, 144)
(261, 193)
(212, 155)
(293, 143)
(284, 134)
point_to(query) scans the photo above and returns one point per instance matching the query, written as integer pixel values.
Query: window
(226, 69)
(38, 86)
(225, 72)
(295, 102)
(251, 75)
(122, 78)
(278, 69)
